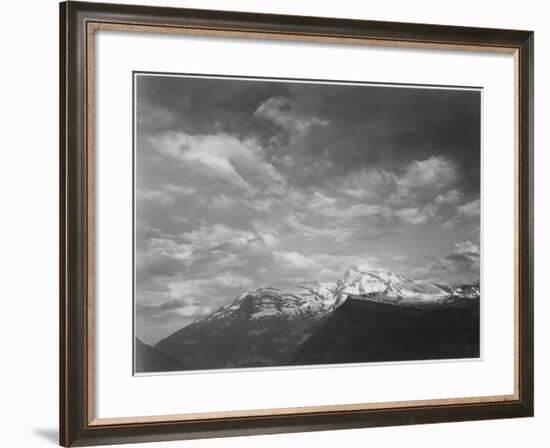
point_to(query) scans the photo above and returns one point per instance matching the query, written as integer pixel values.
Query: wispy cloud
(461, 265)
(283, 113)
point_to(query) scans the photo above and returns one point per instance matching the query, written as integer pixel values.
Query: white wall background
(29, 205)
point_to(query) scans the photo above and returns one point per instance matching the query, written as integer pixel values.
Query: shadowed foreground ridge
(365, 331)
(148, 359)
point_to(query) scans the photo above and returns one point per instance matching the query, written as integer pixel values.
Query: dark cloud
(459, 267)
(155, 310)
(383, 126)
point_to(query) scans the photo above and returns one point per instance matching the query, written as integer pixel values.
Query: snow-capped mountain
(467, 291)
(267, 326)
(304, 300)
(360, 282)
(368, 282)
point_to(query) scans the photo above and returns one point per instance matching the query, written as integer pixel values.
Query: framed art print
(253, 250)
(276, 223)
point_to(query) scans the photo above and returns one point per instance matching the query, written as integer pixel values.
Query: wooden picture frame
(78, 23)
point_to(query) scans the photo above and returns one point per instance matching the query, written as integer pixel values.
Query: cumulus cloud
(467, 248)
(470, 209)
(165, 196)
(423, 192)
(412, 215)
(449, 197)
(467, 215)
(367, 183)
(420, 180)
(282, 112)
(461, 265)
(294, 258)
(435, 172)
(218, 236)
(220, 156)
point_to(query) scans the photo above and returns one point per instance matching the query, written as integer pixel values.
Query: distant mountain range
(368, 315)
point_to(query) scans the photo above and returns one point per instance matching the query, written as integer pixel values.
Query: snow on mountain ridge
(467, 291)
(361, 281)
(315, 299)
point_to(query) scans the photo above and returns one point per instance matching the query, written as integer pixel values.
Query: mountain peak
(362, 270)
(361, 281)
(268, 326)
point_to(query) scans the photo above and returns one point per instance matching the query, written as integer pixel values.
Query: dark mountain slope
(239, 339)
(148, 359)
(361, 330)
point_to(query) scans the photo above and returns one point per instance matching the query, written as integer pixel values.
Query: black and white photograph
(296, 222)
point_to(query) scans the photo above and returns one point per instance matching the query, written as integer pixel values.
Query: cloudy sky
(248, 183)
